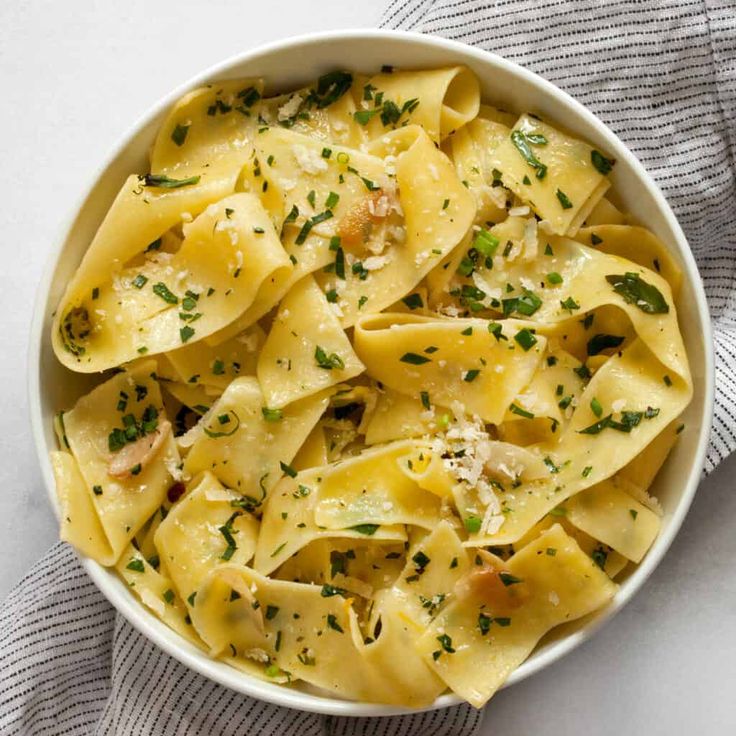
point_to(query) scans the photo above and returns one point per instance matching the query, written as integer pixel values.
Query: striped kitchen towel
(662, 75)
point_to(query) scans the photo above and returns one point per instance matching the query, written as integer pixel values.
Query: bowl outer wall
(296, 61)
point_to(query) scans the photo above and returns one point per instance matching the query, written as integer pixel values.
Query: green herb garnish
(599, 343)
(634, 290)
(328, 362)
(522, 144)
(164, 182)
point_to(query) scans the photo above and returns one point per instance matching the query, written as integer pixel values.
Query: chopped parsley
(368, 529)
(286, 468)
(527, 304)
(634, 290)
(446, 643)
(328, 361)
(179, 134)
(602, 164)
(330, 590)
(563, 199)
(508, 579)
(227, 532)
(600, 556)
(629, 420)
(160, 289)
(522, 143)
(569, 304)
(414, 359)
(515, 409)
(599, 343)
(332, 623)
(413, 301)
(525, 338)
(164, 182)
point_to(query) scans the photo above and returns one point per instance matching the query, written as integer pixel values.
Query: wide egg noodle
(399, 416)
(207, 126)
(549, 588)
(551, 394)
(333, 123)
(583, 459)
(374, 488)
(583, 273)
(244, 446)
(446, 99)
(121, 505)
(358, 565)
(471, 150)
(188, 540)
(306, 350)
(571, 184)
(156, 591)
(290, 521)
(298, 630)
(214, 367)
(450, 359)
(636, 244)
(615, 518)
(295, 167)
(313, 452)
(80, 525)
(163, 300)
(136, 219)
(197, 398)
(636, 476)
(427, 582)
(438, 211)
(610, 561)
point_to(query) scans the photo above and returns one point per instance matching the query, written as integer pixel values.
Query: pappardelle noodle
(387, 377)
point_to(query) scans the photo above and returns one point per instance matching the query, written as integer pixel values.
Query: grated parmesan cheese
(290, 107)
(375, 263)
(308, 159)
(531, 242)
(257, 654)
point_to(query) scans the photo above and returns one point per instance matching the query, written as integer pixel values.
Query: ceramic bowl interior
(289, 64)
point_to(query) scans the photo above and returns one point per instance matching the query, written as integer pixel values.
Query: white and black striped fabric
(662, 74)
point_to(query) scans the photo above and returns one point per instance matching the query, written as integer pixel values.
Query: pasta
(384, 381)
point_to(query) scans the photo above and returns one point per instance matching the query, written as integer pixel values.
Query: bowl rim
(157, 632)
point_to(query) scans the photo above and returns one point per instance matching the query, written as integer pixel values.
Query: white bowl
(290, 63)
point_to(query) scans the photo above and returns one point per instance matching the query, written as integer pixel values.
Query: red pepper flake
(175, 492)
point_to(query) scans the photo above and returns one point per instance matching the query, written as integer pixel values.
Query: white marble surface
(73, 77)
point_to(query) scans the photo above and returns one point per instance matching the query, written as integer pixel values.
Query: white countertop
(73, 77)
